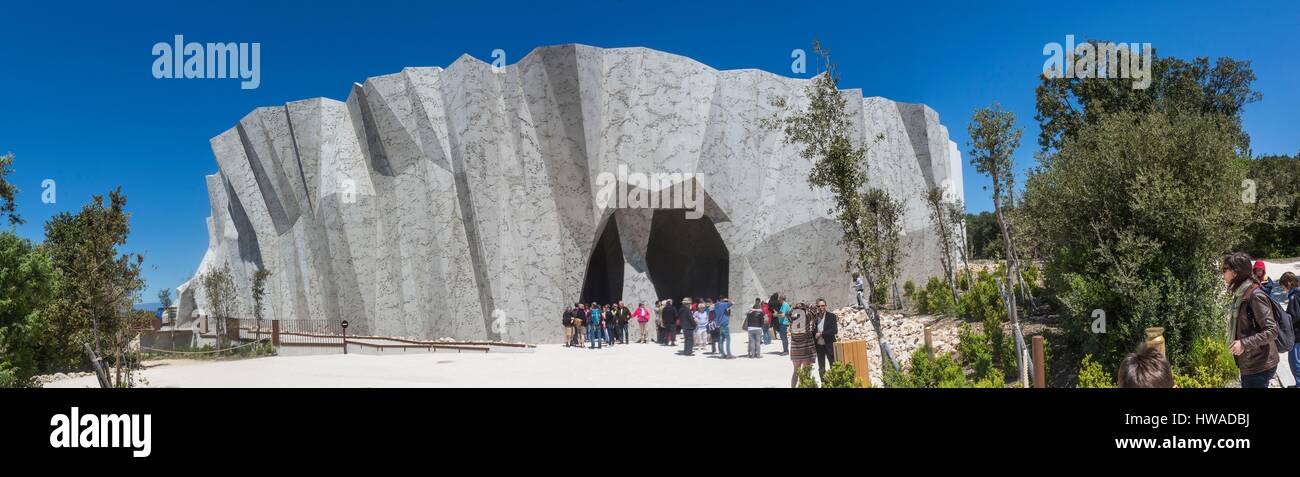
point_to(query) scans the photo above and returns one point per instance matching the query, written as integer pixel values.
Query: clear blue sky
(81, 106)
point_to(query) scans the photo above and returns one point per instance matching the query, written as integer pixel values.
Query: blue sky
(82, 108)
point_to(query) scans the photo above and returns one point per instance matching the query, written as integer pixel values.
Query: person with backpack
(1292, 285)
(1252, 323)
(754, 326)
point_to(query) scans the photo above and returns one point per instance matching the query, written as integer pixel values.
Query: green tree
(993, 139)
(99, 284)
(259, 293)
(27, 283)
(8, 191)
(941, 218)
(219, 285)
(1133, 214)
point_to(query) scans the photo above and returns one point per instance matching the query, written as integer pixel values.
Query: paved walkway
(634, 365)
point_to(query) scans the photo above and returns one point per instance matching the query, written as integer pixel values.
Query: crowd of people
(807, 333)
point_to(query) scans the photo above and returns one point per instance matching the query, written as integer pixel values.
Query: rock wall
(463, 201)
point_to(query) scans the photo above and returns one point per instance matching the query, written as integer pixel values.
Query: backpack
(1285, 339)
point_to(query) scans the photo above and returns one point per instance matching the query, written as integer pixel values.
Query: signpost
(345, 336)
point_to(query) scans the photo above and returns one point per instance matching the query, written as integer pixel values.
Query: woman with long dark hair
(1252, 326)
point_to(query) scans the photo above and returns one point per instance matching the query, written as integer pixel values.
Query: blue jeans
(1293, 358)
(724, 342)
(1258, 380)
(767, 335)
(784, 330)
(594, 334)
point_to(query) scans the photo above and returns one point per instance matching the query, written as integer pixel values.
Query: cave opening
(604, 279)
(686, 257)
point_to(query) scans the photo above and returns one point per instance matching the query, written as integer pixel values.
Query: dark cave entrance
(686, 257)
(604, 278)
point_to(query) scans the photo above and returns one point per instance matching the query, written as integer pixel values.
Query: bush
(841, 375)
(1208, 364)
(909, 289)
(806, 380)
(1091, 374)
(974, 350)
(938, 298)
(925, 371)
(994, 380)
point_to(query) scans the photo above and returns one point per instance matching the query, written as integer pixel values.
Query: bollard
(1040, 371)
(855, 353)
(929, 343)
(275, 333)
(1156, 338)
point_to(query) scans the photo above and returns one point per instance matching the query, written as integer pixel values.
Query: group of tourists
(806, 333)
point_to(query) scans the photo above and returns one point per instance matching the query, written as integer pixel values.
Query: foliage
(1066, 106)
(975, 352)
(805, 378)
(909, 289)
(1133, 214)
(1274, 228)
(27, 283)
(984, 235)
(1092, 375)
(97, 284)
(941, 215)
(993, 139)
(841, 375)
(924, 371)
(870, 219)
(8, 191)
(935, 298)
(219, 285)
(1208, 364)
(259, 292)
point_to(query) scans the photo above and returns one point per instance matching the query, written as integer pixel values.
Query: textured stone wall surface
(463, 201)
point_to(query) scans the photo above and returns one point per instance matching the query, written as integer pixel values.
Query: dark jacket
(1257, 330)
(670, 316)
(754, 319)
(832, 328)
(685, 320)
(623, 315)
(1293, 307)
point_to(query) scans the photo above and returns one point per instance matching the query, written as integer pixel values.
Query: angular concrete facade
(467, 201)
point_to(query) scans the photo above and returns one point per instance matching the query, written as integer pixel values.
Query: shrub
(925, 371)
(1208, 365)
(1091, 374)
(806, 380)
(938, 298)
(994, 380)
(909, 289)
(974, 350)
(841, 375)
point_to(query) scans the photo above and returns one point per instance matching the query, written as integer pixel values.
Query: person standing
(567, 320)
(858, 289)
(642, 318)
(596, 331)
(754, 327)
(624, 316)
(701, 317)
(580, 320)
(803, 342)
(827, 328)
(722, 314)
(1292, 285)
(783, 325)
(670, 324)
(687, 320)
(1252, 327)
(769, 308)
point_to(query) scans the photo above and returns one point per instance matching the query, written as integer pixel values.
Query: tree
(220, 287)
(941, 216)
(99, 284)
(8, 191)
(825, 132)
(957, 216)
(993, 139)
(1066, 105)
(883, 224)
(27, 283)
(259, 292)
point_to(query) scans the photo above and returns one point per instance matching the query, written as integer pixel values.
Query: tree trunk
(1006, 241)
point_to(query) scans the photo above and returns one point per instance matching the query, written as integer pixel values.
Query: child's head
(1146, 368)
(1289, 281)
